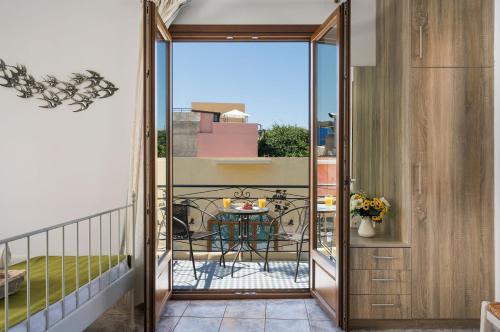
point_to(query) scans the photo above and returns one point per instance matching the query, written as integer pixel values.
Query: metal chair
(300, 236)
(181, 231)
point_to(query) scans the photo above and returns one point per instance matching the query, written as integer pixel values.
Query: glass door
(328, 164)
(157, 132)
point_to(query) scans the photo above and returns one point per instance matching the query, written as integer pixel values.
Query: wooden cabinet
(452, 191)
(437, 105)
(452, 33)
(380, 258)
(380, 281)
(380, 307)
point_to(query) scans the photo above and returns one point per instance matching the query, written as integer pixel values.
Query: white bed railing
(124, 246)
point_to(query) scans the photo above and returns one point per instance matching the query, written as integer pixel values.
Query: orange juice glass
(329, 200)
(262, 203)
(226, 202)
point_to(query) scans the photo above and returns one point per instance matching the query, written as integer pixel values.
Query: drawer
(380, 259)
(380, 307)
(380, 282)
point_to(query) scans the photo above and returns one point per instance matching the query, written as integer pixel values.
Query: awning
(235, 114)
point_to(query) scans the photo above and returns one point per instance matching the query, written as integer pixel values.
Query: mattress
(17, 302)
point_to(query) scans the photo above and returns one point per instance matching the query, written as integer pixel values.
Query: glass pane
(327, 107)
(240, 135)
(162, 87)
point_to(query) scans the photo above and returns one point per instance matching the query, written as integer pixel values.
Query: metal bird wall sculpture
(79, 91)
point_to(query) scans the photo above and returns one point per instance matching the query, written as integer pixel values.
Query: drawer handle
(383, 257)
(382, 304)
(382, 279)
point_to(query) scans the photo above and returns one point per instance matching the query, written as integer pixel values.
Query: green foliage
(162, 143)
(284, 141)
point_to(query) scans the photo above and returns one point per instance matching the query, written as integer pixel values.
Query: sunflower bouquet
(374, 208)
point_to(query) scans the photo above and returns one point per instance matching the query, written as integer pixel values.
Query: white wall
(256, 12)
(363, 33)
(497, 148)
(56, 165)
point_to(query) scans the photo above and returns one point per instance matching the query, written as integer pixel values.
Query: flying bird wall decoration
(79, 91)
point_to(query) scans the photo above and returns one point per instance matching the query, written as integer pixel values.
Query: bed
(90, 287)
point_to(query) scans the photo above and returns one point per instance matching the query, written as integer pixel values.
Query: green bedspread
(17, 301)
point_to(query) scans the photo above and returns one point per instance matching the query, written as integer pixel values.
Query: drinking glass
(262, 203)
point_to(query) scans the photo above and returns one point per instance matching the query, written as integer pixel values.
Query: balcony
(200, 206)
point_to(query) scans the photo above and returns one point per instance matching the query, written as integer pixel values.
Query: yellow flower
(366, 205)
(376, 218)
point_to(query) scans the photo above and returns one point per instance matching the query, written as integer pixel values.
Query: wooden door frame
(249, 32)
(154, 29)
(242, 33)
(341, 17)
(198, 33)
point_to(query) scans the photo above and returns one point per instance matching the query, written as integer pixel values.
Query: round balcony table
(324, 235)
(243, 243)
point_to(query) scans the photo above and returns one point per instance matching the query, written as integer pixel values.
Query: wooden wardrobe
(427, 107)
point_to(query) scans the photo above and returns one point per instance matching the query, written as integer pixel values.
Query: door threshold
(240, 294)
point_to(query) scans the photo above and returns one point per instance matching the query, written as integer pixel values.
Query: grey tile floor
(233, 316)
(302, 315)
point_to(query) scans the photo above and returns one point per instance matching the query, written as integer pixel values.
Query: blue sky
(271, 79)
(326, 78)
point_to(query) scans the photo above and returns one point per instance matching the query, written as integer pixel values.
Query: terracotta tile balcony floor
(247, 275)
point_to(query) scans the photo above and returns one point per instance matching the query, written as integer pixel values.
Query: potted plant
(370, 209)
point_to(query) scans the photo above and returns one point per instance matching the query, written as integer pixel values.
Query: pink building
(226, 139)
(327, 176)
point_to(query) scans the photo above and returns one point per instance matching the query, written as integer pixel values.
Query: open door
(157, 164)
(330, 165)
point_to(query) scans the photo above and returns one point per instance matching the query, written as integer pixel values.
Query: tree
(162, 143)
(284, 141)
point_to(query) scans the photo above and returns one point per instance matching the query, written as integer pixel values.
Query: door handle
(419, 176)
(419, 169)
(420, 41)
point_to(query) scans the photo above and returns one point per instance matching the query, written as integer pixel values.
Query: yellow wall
(261, 171)
(217, 107)
(238, 171)
(278, 171)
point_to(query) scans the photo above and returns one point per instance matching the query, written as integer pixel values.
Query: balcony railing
(279, 200)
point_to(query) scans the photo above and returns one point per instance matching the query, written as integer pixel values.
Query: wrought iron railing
(279, 199)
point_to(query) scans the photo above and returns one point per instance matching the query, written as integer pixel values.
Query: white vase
(366, 228)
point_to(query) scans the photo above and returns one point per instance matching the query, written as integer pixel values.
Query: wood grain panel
(380, 307)
(380, 258)
(365, 282)
(452, 212)
(325, 285)
(454, 33)
(379, 120)
(414, 324)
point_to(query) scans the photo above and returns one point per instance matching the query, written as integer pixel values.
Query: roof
(210, 107)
